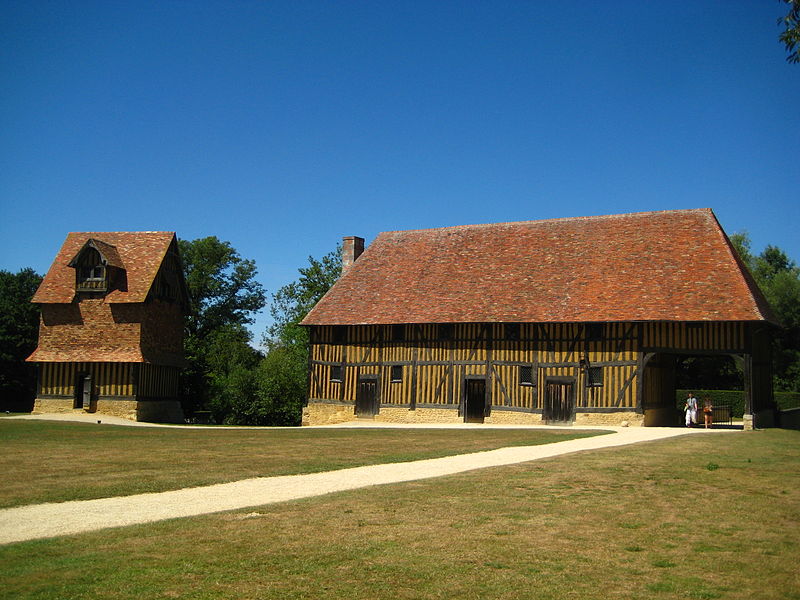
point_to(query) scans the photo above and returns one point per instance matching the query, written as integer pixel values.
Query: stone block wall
(632, 419)
(149, 411)
(323, 413)
(319, 413)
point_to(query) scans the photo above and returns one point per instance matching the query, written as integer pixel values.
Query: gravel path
(64, 518)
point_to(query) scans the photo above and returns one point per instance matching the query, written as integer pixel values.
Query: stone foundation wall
(612, 418)
(513, 417)
(55, 405)
(154, 411)
(116, 408)
(401, 414)
(321, 413)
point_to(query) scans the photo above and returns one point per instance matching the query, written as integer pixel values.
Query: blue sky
(283, 126)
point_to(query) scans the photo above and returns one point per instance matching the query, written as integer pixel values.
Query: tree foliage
(19, 329)
(790, 36)
(222, 286)
(226, 376)
(281, 376)
(293, 301)
(224, 297)
(778, 276)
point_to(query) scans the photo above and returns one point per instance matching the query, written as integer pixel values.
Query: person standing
(708, 411)
(691, 409)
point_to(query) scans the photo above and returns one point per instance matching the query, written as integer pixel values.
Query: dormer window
(91, 273)
(96, 273)
(93, 266)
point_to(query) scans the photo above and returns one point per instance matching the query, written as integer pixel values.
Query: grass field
(50, 461)
(705, 516)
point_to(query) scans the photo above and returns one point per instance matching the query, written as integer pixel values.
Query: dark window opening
(526, 375)
(445, 331)
(398, 333)
(594, 377)
(97, 272)
(336, 373)
(512, 331)
(339, 334)
(90, 272)
(594, 332)
(397, 373)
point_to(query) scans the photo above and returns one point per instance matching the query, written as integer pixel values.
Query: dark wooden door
(367, 397)
(474, 400)
(83, 391)
(559, 400)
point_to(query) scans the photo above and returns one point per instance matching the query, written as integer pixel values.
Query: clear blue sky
(282, 126)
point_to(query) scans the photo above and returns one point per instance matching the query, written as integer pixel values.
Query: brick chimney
(352, 247)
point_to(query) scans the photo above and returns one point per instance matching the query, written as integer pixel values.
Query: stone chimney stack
(352, 247)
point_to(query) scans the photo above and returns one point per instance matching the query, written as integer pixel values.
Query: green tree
(224, 297)
(778, 276)
(293, 301)
(282, 374)
(19, 329)
(790, 36)
(222, 286)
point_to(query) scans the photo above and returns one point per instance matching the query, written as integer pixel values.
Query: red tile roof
(130, 354)
(140, 253)
(671, 266)
(108, 252)
(99, 354)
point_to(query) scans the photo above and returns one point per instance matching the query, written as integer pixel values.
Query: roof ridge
(115, 232)
(557, 220)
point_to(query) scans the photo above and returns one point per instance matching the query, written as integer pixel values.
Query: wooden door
(474, 400)
(559, 400)
(83, 391)
(367, 397)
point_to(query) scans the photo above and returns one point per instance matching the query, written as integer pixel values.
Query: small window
(594, 332)
(398, 333)
(445, 331)
(512, 331)
(526, 375)
(594, 377)
(336, 373)
(339, 334)
(397, 373)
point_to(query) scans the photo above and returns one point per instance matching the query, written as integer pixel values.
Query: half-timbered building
(575, 320)
(111, 328)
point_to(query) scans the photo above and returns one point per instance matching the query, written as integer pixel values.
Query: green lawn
(704, 516)
(53, 461)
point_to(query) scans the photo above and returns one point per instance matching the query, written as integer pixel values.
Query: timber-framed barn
(576, 320)
(111, 327)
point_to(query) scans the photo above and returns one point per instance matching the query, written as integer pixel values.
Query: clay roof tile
(139, 253)
(670, 265)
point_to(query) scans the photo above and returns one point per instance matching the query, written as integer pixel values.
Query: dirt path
(54, 519)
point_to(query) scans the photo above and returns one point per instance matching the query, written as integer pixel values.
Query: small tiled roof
(93, 354)
(107, 251)
(139, 253)
(129, 354)
(658, 266)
